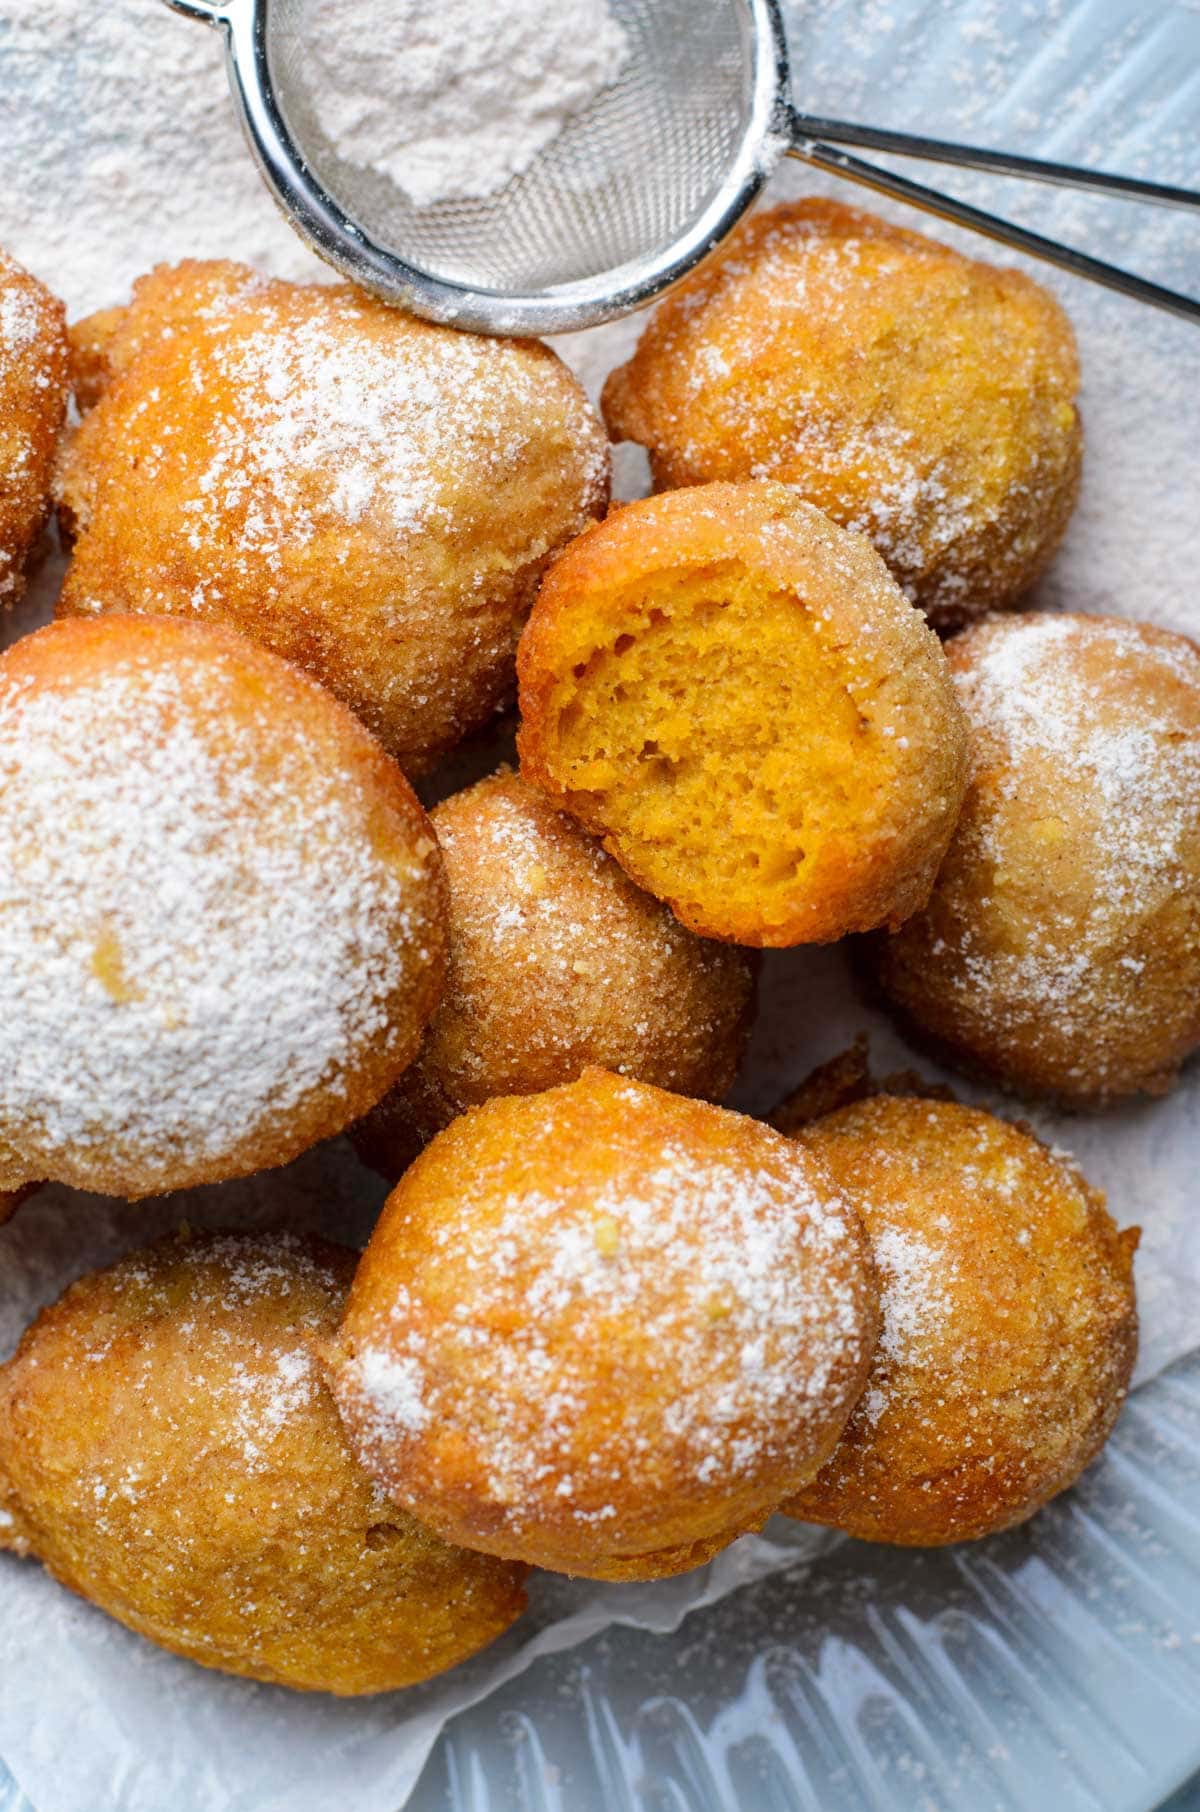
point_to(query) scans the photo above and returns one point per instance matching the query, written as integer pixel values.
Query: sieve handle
(961, 213)
(1000, 163)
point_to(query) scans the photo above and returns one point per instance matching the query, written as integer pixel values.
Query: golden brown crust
(226, 902)
(922, 397)
(732, 692)
(366, 494)
(598, 1326)
(167, 1450)
(1060, 950)
(1009, 1324)
(557, 961)
(662, 1563)
(34, 387)
(93, 342)
(843, 1080)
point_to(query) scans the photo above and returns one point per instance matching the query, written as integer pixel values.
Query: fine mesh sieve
(626, 200)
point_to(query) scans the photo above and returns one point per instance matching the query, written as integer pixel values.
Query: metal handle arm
(1000, 163)
(961, 213)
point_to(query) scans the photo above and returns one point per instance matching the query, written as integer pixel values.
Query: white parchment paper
(91, 1716)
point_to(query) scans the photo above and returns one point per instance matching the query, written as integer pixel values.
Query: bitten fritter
(169, 1451)
(605, 1329)
(733, 694)
(363, 493)
(1060, 950)
(34, 387)
(1009, 1324)
(223, 909)
(557, 961)
(921, 397)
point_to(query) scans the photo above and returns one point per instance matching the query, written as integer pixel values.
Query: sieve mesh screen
(624, 179)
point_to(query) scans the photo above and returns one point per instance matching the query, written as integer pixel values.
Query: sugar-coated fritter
(1060, 949)
(557, 961)
(1009, 1324)
(732, 692)
(34, 387)
(924, 398)
(604, 1329)
(223, 909)
(169, 1451)
(366, 494)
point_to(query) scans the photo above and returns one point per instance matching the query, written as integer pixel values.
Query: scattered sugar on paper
(123, 151)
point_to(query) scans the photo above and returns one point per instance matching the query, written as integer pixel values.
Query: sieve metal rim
(561, 308)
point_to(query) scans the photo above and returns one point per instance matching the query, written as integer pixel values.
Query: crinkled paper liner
(92, 1716)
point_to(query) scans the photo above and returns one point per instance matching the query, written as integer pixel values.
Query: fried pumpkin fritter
(368, 495)
(1059, 952)
(34, 387)
(169, 1451)
(921, 397)
(604, 1329)
(223, 909)
(732, 692)
(557, 961)
(1009, 1324)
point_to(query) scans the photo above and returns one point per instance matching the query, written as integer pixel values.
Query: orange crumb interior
(720, 745)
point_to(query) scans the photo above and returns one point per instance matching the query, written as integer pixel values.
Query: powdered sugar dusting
(33, 392)
(394, 1387)
(916, 510)
(452, 101)
(193, 939)
(519, 835)
(249, 1309)
(19, 321)
(1096, 705)
(917, 507)
(828, 352)
(338, 413)
(700, 1315)
(914, 1301)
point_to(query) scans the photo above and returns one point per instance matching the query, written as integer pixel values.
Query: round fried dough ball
(368, 495)
(223, 909)
(1009, 1324)
(557, 961)
(732, 692)
(33, 403)
(604, 1329)
(921, 397)
(169, 1451)
(1060, 951)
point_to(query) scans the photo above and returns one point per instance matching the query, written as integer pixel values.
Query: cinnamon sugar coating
(365, 494)
(604, 1329)
(169, 1451)
(1009, 1324)
(921, 397)
(556, 961)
